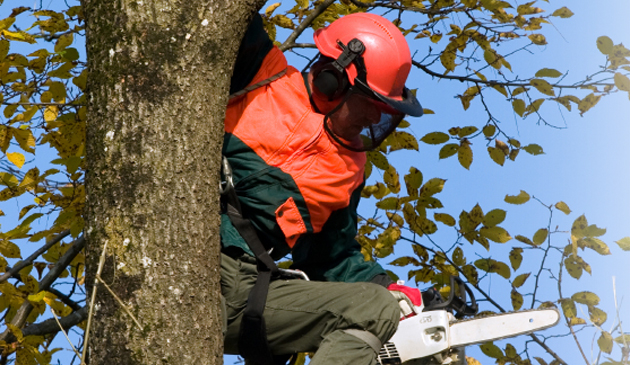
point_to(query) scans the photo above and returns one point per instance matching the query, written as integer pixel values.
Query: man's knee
(380, 311)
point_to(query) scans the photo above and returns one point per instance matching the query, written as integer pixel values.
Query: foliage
(42, 68)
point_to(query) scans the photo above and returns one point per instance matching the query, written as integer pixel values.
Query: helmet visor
(361, 123)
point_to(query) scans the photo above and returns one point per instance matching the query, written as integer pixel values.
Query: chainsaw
(438, 335)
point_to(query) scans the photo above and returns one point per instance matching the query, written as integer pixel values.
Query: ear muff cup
(330, 82)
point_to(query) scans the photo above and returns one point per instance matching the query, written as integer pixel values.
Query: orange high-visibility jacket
(297, 186)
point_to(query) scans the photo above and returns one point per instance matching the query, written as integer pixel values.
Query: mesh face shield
(360, 123)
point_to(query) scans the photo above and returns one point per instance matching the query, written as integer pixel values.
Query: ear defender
(327, 82)
(332, 79)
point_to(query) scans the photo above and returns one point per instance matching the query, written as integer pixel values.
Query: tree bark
(159, 74)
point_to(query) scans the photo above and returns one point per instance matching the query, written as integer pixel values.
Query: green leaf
(516, 257)
(563, 207)
(605, 342)
(533, 149)
(543, 86)
(540, 236)
(435, 138)
(378, 159)
(548, 72)
(491, 350)
(605, 45)
(458, 257)
(466, 131)
(521, 198)
(586, 297)
(448, 150)
(623, 338)
(496, 234)
(520, 280)
(624, 243)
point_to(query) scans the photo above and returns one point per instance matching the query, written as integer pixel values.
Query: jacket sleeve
(334, 255)
(251, 53)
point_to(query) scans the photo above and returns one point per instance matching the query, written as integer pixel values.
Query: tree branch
(22, 264)
(494, 82)
(305, 24)
(51, 326)
(44, 284)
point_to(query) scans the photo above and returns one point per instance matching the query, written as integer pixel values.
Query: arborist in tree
(294, 156)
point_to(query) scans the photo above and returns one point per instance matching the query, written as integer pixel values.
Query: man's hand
(409, 299)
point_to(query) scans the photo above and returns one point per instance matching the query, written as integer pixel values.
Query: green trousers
(308, 316)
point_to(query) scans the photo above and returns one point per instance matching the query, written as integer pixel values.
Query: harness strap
(367, 337)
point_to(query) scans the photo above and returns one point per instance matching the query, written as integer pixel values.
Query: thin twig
(22, 264)
(64, 332)
(305, 24)
(101, 263)
(118, 300)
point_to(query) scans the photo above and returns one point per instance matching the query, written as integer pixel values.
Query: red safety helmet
(372, 55)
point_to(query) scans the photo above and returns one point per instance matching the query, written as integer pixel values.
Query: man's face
(356, 113)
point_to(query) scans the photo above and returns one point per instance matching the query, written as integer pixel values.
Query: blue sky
(585, 164)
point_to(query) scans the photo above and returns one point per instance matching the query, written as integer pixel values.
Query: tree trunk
(159, 74)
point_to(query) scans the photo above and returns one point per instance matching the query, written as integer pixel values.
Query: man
(295, 156)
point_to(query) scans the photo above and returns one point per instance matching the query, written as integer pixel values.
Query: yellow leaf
(538, 39)
(548, 72)
(378, 159)
(543, 86)
(496, 234)
(413, 181)
(50, 113)
(16, 158)
(501, 89)
(18, 36)
(489, 130)
(563, 207)
(444, 218)
(588, 102)
(494, 217)
(519, 106)
(490, 57)
(563, 12)
(568, 308)
(448, 57)
(520, 280)
(465, 155)
(585, 297)
(37, 297)
(624, 243)
(605, 342)
(622, 82)
(533, 149)
(271, 8)
(432, 187)
(521, 198)
(436, 38)
(283, 21)
(491, 350)
(64, 41)
(517, 300)
(605, 44)
(497, 155)
(9, 250)
(540, 236)
(390, 177)
(448, 150)
(524, 240)
(25, 139)
(435, 138)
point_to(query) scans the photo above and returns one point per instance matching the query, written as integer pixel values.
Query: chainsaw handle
(458, 303)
